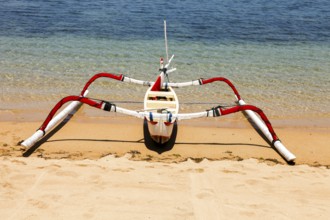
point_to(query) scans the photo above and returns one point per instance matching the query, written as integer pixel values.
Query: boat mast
(165, 35)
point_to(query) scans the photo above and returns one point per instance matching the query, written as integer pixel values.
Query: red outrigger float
(161, 109)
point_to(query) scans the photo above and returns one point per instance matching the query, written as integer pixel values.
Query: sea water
(277, 53)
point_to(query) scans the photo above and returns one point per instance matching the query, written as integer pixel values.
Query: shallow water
(276, 53)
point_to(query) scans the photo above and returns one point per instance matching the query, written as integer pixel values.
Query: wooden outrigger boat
(163, 102)
(161, 109)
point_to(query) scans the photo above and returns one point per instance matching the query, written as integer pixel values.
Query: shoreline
(232, 121)
(90, 138)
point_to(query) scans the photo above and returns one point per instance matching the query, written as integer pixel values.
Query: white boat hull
(166, 102)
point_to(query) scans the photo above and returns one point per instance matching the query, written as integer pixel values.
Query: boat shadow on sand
(146, 140)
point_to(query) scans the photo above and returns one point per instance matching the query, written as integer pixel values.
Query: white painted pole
(263, 128)
(69, 110)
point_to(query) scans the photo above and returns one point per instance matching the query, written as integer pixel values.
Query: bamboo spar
(71, 109)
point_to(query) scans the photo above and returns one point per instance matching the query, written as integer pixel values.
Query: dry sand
(104, 171)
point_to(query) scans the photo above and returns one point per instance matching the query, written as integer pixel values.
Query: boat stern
(161, 102)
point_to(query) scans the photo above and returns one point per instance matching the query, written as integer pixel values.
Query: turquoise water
(284, 80)
(276, 53)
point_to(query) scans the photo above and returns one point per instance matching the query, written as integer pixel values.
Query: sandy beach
(104, 171)
(274, 55)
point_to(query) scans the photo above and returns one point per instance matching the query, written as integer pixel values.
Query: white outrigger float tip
(161, 109)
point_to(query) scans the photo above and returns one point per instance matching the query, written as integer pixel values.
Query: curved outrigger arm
(203, 81)
(119, 77)
(260, 121)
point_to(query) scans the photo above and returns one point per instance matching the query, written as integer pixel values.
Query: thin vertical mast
(166, 48)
